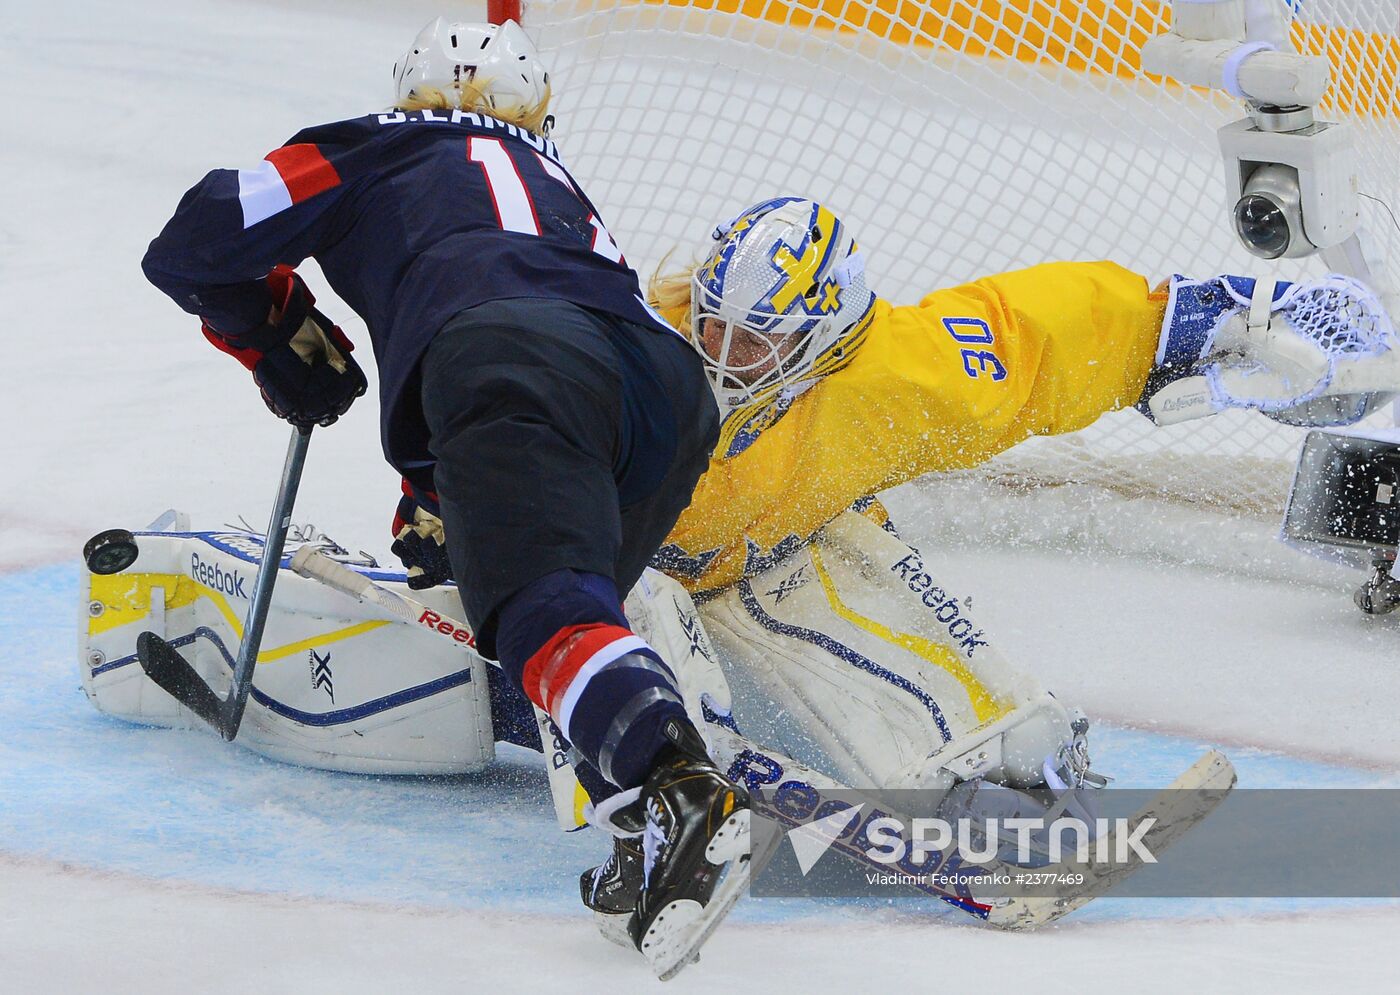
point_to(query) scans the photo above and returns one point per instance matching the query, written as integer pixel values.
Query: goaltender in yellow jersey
(847, 395)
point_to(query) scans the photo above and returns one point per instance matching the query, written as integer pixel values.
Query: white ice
(131, 859)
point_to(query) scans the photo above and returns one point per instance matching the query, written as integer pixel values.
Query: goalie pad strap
(1261, 306)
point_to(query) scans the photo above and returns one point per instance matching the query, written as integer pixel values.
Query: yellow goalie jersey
(945, 384)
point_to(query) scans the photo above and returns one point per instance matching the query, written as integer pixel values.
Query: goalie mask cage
(960, 138)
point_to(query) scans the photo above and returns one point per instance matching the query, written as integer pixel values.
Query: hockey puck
(110, 552)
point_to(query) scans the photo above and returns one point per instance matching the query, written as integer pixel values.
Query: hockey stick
(311, 563)
(174, 673)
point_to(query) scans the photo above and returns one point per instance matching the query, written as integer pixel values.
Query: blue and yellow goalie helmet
(777, 300)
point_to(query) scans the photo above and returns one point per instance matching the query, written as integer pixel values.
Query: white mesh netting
(958, 138)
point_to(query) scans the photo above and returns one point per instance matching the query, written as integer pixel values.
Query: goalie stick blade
(178, 679)
(1177, 809)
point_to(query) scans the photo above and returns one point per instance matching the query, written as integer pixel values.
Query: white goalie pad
(851, 642)
(855, 640)
(662, 613)
(336, 686)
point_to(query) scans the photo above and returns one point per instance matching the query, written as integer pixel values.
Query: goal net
(960, 138)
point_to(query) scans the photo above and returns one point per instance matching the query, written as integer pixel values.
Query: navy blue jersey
(413, 216)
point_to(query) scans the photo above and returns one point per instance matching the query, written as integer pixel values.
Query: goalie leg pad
(887, 672)
(663, 613)
(336, 686)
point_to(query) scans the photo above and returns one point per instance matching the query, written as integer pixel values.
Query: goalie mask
(779, 300)
(499, 60)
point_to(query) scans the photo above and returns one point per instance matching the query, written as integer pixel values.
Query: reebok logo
(944, 609)
(215, 577)
(434, 621)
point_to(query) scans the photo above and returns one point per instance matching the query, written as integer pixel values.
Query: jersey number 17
(510, 195)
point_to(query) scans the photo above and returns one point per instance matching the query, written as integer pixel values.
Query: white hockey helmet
(499, 59)
(778, 300)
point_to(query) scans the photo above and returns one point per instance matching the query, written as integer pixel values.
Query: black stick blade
(174, 674)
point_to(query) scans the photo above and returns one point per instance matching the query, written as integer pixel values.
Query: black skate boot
(610, 890)
(695, 852)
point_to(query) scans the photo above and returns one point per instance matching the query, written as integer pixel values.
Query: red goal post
(500, 11)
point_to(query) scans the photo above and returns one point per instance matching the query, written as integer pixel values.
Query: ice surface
(128, 855)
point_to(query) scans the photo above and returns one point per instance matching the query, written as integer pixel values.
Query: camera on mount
(1292, 189)
(1269, 215)
(1292, 181)
(1290, 178)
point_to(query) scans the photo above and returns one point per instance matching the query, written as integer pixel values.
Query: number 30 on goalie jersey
(976, 361)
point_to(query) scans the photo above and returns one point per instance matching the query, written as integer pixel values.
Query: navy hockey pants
(568, 443)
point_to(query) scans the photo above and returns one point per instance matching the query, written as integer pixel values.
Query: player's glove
(418, 539)
(1317, 353)
(300, 360)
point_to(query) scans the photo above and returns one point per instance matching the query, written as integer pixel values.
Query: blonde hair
(669, 293)
(472, 96)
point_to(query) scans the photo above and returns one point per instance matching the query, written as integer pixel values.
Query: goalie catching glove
(300, 360)
(1316, 353)
(418, 539)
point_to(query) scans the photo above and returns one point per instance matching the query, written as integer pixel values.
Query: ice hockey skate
(692, 826)
(610, 890)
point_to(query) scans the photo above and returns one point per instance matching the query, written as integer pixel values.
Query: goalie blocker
(875, 654)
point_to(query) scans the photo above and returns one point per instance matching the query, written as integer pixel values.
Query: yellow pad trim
(127, 598)
(580, 800)
(334, 636)
(985, 705)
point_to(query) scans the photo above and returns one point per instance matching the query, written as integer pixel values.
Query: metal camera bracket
(1291, 180)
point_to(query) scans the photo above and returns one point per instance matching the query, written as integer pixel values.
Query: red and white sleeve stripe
(287, 176)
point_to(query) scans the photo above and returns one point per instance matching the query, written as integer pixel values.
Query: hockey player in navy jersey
(545, 420)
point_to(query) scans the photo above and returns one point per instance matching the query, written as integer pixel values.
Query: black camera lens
(1262, 226)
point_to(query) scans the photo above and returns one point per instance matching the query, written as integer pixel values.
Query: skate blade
(613, 926)
(681, 928)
